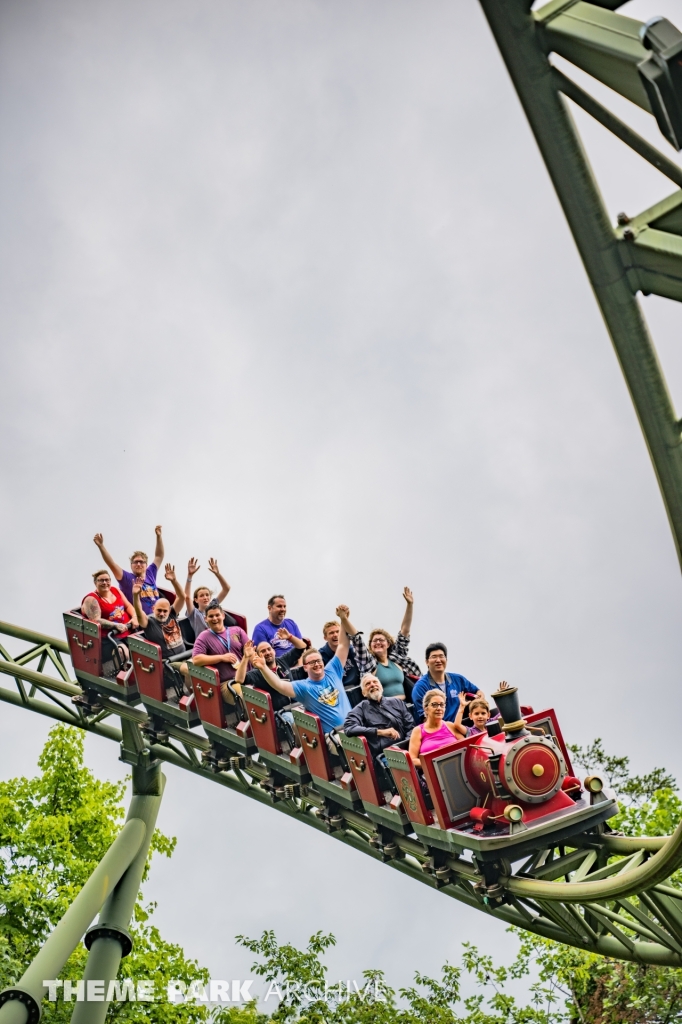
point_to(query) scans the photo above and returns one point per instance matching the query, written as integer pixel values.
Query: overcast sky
(290, 279)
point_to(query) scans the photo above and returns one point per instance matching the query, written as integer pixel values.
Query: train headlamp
(513, 813)
(593, 784)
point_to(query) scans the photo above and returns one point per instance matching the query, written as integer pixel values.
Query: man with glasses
(322, 692)
(141, 572)
(436, 678)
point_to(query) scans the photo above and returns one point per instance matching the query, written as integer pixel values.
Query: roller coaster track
(605, 893)
(612, 895)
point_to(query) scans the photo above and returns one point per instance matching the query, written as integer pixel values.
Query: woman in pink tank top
(434, 732)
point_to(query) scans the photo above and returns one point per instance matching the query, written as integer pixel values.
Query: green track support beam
(519, 40)
(651, 249)
(605, 44)
(108, 940)
(21, 1003)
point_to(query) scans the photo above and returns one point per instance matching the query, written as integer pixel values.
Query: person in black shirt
(351, 676)
(283, 667)
(381, 720)
(162, 627)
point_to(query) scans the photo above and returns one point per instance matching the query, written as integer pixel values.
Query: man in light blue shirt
(322, 693)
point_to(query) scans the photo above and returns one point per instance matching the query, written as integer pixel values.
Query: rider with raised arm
(284, 667)
(199, 602)
(162, 627)
(322, 692)
(141, 572)
(388, 658)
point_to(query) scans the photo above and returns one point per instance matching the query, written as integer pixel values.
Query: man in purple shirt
(217, 646)
(276, 629)
(142, 572)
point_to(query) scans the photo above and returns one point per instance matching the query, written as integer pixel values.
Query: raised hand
(283, 633)
(462, 699)
(137, 588)
(343, 611)
(213, 566)
(407, 594)
(257, 660)
(249, 651)
(504, 685)
(170, 571)
(157, 530)
(192, 567)
(99, 539)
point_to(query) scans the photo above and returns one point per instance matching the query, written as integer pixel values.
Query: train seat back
(261, 714)
(314, 745)
(408, 785)
(187, 632)
(361, 764)
(147, 668)
(85, 643)
(205, 683)
(240, 620)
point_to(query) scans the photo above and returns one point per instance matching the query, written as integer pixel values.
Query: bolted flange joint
(19, 995)
(107, 931)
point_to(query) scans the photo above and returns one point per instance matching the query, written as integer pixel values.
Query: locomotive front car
(506, 792)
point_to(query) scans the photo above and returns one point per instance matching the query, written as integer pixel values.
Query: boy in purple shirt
(142, 572)
(275, 628)
(217, 646)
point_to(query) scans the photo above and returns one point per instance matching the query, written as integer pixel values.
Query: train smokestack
(507, 701)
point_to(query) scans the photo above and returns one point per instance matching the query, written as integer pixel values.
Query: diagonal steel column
(515, 33)
(22, 1002)
(109, 940)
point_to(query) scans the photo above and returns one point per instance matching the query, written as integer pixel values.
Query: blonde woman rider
(433, 732)
(198, 602)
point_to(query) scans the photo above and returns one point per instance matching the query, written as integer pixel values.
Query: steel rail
(659, 867)
(628, 844)
(32, 637)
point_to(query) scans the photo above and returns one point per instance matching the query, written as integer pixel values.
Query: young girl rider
(478, 710)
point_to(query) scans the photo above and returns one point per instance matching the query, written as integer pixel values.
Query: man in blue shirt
(276, 629)
(322, 692)
(436, 678)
